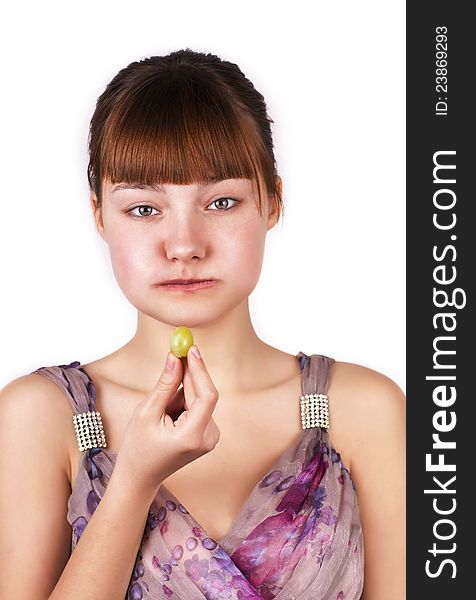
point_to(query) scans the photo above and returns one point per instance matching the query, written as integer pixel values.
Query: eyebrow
(152, 187)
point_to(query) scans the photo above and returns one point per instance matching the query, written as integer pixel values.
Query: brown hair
(184, 118)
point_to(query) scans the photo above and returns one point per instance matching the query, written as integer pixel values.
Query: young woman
(238, 472)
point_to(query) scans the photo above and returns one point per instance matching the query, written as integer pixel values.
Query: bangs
(181, 131)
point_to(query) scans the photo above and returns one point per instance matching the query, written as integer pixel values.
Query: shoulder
(33, 391)
(367, 387)
(36, 408)
(364, 405)
(367, 396)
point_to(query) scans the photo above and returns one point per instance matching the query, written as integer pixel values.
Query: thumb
(166, 385)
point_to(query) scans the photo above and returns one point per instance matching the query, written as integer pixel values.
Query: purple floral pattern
(287, 541)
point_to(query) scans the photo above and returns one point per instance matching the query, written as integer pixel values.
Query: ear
(97, 213)
(273, 213)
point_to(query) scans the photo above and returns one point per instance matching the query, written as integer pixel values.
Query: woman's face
(192, 231)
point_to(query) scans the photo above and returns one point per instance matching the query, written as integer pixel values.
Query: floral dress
(298, 535)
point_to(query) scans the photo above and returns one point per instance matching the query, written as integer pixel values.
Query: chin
(191, 314)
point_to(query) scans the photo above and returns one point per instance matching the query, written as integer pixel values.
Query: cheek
(245, 255)
(234, 254)
(129, 261)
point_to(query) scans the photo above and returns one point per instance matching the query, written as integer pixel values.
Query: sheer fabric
(297, 536)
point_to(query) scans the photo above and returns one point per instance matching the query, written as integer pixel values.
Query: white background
(333, 78)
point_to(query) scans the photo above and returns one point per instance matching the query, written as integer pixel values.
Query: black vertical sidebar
(441, 270)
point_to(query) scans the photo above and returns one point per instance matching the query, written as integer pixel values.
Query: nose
(185, 240)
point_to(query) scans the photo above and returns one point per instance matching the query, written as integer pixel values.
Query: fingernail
(195, 352)
(170, 362)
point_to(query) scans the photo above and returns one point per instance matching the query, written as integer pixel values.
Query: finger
(189, 389)
(177, 404)
(166, 386)
(206, 392)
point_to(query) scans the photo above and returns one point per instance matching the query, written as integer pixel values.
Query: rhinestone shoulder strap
(81, 395)
(315, 372)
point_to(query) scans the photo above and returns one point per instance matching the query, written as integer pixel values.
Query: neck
(234, 355)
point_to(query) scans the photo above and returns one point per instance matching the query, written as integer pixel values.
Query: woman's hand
(154, 445)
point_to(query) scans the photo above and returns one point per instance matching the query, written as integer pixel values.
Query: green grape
(180, 341)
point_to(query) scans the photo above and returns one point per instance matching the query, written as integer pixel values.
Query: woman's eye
(141, 213)
(221, 204)
(222, 200)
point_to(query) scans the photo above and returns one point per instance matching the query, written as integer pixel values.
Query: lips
(183, 281)
(187, 285)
